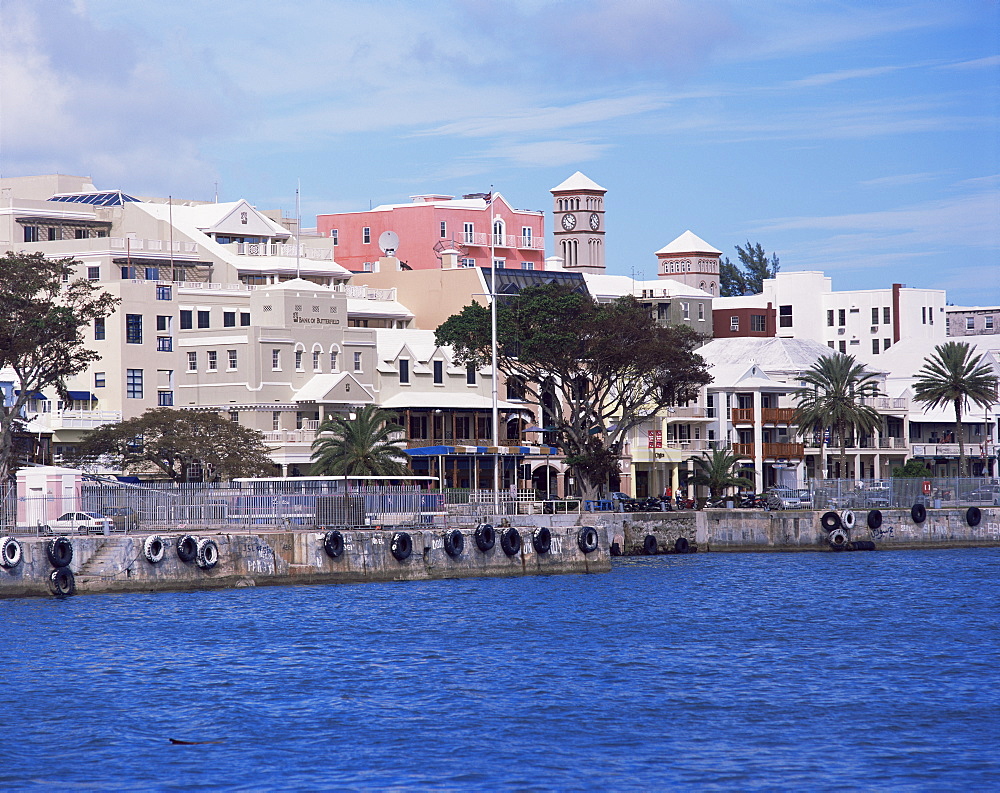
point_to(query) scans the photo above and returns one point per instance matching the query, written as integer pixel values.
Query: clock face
(595, 221)
(569, 222)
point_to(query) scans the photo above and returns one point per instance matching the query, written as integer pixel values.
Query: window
(829, 317)
(316, 367)
(164, 343)
(685, 310)
(470, 374)
(244, 319)
(970, 323)
(701, 312)
(163, 323)
(886, 343)
(734, 324)
(31, 233)
(335, 236)
(842, 317)
(99, 329)
(875, 348)
(133, 328)
(830, 344)
(187, 320)
(367, 267)
(275, 360)
(213, 361)
(466, 262)
(758, 323)
(357, 362)
(233, 360)
(151, 273)
(366, 235)
(988, 322)
(165, 399)
(275, 419)
(930, 315)
(234, 416)
(203, 319)
(164, 292)
(99, 380)
(784, 316)
(229, 319)
(192, 362)
(875, 316)
(438, 372)
(404, 370)
(843, 346)
(93, 273)
(298, 360)
(133, 383)
(527, 265)
(500, 264)
(444, 230)
(515, 388)
(468, 231)
(333, 360)
(526, 236)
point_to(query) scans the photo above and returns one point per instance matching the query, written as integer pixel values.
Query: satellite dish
(388, 241)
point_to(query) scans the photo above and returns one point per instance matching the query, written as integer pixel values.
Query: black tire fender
(587, 539)
(62, 582)
(187, 548)
(973, 516)
(208, 554)
(60, 551)
(154, 548)
(10, 552)
(541, 540)
(918, 512)
(649, 545)
(510, 541)
(874, 519)
(401, 545)
(333, 544)
(681, 545)
(485, 536)
(454, 543)
(830, 521)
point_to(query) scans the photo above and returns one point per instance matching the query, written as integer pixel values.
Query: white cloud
(845, 74)
(979, 63)
(902, 179)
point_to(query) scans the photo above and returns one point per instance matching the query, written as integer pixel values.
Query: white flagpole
(298, 228)
(493, 332)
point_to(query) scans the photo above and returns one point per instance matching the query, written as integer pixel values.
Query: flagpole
(298, 229)
(493, 338)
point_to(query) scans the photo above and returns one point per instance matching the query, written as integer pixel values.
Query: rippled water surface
(727, 671)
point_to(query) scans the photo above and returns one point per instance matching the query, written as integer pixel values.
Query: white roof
(578, 182)
(419, 342)
(602, 285)
(773, 355)
(688, 242)
(320, 388)
(361, 307)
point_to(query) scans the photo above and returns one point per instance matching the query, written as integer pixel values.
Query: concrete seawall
(119, 564)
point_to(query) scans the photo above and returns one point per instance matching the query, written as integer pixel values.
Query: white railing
(886, 403)
(892, 443)
(484, 240)
(280, 249)
(368, 293)
(130, 244)
(289, 436)
(237, 286)
(78, 419)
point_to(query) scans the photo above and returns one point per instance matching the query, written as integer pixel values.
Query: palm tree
(717, 471)
(830, 400)
(359, 446)
(953, 374)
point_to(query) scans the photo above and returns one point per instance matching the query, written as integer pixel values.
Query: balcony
(484, 240)
(279, 249)
(886, 403)
(854, 445)
(367, 292)
(768, 415)
(741, 415)
(78, 419)
(772, 451)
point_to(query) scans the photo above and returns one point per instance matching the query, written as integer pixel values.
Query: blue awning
(34, 395)
(84, 396)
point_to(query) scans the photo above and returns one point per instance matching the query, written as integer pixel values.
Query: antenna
(388, 242)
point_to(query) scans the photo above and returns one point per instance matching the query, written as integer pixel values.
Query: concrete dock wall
(118, 563)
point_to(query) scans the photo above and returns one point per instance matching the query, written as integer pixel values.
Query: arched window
(334, 358)
(498, 232)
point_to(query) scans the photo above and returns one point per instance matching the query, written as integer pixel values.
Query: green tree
(952, 374)
(747, 277)
(912, 469)
(718, 471)
(831, 400)
(597, 370)
(43, 315)
(361, 446)
(179, 443)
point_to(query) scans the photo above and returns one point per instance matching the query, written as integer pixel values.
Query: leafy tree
(952, 374)
(598, 369)
(718, 470)
(42, 319)
(747, 277)
(830, 400)
(179, 443)
(360, 446)
(912, 469)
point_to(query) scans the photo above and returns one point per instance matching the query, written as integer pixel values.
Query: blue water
(710, 671)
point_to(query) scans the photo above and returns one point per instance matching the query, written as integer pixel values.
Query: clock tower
(579, 224)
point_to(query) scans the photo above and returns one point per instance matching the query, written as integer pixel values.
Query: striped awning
(437, 451)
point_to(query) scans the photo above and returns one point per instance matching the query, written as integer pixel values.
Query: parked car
(123, 518)
(82, 522)
(985, 494)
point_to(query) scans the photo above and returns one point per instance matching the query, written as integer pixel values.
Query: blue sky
(854, 137)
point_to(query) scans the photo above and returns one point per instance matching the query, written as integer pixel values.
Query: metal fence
(937, 492)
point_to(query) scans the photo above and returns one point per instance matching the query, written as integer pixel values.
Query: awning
(437, 451)
(34, 395)
(84, 396)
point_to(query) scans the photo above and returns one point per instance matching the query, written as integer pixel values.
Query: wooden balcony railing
(787, 451)
(778, 415)
(742, 415)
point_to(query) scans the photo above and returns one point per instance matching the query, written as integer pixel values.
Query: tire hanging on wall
(60, 551)
(918, 512)
(454, 543)
(830, 521)
(187, 548)
(874, 519)
(10, 552)
(649, 545)
(208, 554)
(510, 541)
(973, 515)
(62, 583)
(154, 548)
(401, 545)
(838, 539)
(485, 537)
(847, 519)
(333, 544)
(587, 539)
(541, 540)
(681, 545)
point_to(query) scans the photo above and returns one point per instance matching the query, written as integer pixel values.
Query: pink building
(430, 224)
